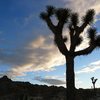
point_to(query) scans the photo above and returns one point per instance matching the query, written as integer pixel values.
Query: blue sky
(27, 51)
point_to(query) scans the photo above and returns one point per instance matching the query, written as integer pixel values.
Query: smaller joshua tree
(93, 82)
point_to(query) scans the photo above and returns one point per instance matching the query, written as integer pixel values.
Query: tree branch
(60, 44)
(51, 26)
(60, 26)
(82, 27)
(86, 51)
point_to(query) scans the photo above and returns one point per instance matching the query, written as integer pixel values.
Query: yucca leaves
(50, 10)
(92, 34)
(93, 37)
(98, 41)
(62, 14)
(89, 17)
(43, 16)
(74, 19)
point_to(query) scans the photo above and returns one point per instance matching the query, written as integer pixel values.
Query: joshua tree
(65, 16)
(93, 82)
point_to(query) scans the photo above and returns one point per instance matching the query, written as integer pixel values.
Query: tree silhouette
(93, 82)
(65, 16)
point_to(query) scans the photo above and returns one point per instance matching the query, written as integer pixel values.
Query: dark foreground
(11, 90)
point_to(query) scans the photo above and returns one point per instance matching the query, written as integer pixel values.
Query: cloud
(50, 80)
(37, 54)
(40, 53)
(78, 82)
(57, 80)
(82, 6)
(92, 67)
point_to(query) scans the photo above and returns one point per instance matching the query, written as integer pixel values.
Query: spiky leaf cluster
(74, 19)
(98, 41)
(62, 14)
(50, 10)
(92, 34)
(43, 15)
(93, 37)
(88, 18)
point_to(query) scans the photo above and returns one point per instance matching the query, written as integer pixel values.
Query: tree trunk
(94, 86)
(70, 78)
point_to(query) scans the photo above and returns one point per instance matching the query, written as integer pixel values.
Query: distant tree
(64, 16)
(93, 82)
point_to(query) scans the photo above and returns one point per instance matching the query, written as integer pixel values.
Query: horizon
(27, 50)
(40, 84)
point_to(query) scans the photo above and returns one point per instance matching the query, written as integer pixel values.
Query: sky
(27, 50)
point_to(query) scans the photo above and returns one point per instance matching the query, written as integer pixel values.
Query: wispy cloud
(92, 67)
(56, 80)
(78, 82)
(39, 54)
(50, 80)
(82, 6)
